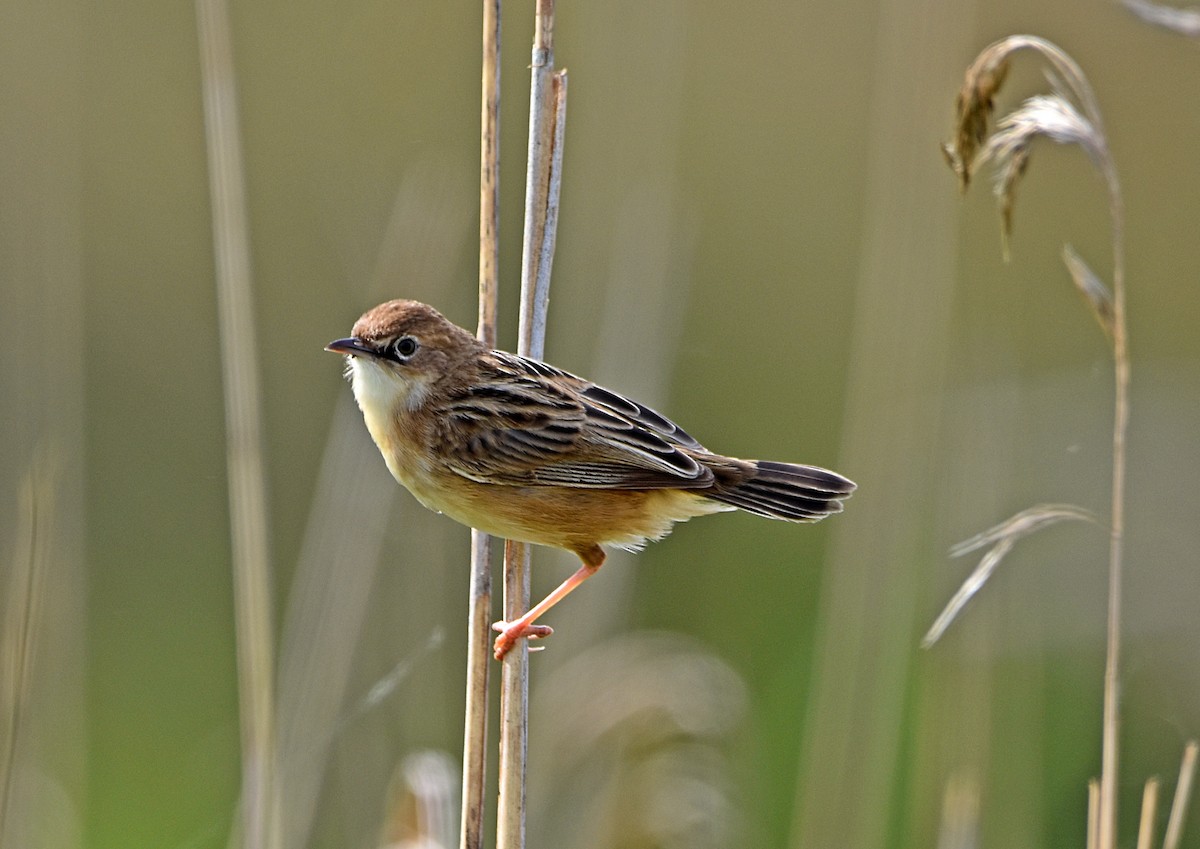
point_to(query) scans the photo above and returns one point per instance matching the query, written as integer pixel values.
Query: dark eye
(405, 347)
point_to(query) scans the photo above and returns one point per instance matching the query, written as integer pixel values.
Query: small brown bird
(526, 451)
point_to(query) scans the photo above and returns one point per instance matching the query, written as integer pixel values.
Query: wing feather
(526, 423)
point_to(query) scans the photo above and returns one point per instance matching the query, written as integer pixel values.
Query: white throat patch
(379, 390)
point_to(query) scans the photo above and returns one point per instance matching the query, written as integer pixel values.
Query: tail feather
(786, 491)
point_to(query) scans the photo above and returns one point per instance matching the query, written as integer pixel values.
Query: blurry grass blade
(1184, 21)
(422, 803)
(1149, 810)
(1022, 524)
(387, 685)
(1093, 814)
(1002, 537)
(24, 602)
(642, 727)
(972, 585)
(260, 812)
(960, 812)
(326, 609)
(1091, 288)
(1183, 794)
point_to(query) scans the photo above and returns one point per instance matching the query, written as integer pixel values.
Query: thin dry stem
(1183, 795)
(1111, 719)
(489, 175)
(1185, 21)
(420, 812)
(543, 177)
(1149, 812)
(247, 479)
(475, 722)
(1093, 814)
(514, 705)
(1058, 118)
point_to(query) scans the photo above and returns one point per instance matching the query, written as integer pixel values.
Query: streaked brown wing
(530, 424)
(623, 413)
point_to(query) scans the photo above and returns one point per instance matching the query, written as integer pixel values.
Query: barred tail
(781, 490)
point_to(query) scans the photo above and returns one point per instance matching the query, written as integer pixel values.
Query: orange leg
(510, 632)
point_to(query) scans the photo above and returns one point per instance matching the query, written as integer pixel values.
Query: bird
(520, 449)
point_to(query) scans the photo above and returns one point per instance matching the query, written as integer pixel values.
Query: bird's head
(397, 351)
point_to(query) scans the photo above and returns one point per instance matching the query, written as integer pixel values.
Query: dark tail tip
(787, 491)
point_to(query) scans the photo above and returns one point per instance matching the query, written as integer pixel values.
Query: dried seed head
(973, 107)
(1048, 116)
(1070, 115)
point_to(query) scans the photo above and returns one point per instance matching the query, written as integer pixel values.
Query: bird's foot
(510, 633)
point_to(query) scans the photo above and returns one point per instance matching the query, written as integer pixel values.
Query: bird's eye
(405, 347)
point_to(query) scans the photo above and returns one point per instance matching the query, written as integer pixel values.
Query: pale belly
(563, 517)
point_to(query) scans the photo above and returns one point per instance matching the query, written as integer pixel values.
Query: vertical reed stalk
(1149, 808)
(247, 481)
(1110, 742)
(1183, 793)
(1060, 120)
(475, 730)
(1093, 814)
(547, 104)
(24, 604)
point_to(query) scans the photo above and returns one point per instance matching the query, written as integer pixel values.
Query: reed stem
(547, 103)
(260, 813)
(475, 721)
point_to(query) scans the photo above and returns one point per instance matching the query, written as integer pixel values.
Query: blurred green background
(759, 237)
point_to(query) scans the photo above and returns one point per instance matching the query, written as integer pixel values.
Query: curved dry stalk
(1185, 21)
(1001, 537)
(1071, 115)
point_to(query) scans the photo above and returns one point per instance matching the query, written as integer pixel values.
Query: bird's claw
(509, 634)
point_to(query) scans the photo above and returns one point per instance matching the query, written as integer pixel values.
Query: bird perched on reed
(526, 451)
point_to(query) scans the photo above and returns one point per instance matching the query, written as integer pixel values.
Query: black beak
(353, 346)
